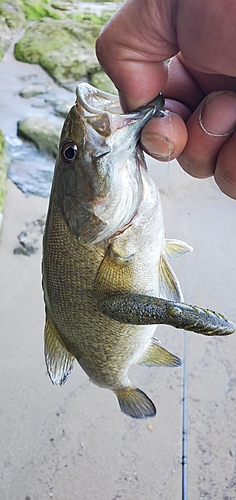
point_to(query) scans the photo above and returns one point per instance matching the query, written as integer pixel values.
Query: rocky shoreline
(58, 37)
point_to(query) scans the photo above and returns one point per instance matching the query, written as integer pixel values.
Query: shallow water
(30, 170)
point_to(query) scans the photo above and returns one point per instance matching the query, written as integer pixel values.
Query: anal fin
(59, 360)
(135, 403)
(158, 356)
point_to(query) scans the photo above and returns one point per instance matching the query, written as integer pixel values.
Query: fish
(106, 275)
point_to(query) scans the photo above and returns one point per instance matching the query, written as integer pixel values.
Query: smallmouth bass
(107, 280)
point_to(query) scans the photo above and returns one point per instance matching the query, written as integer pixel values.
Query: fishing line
(184, 462)
(167, 113)
(185, 424)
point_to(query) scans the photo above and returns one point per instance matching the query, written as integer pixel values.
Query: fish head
(97, 177)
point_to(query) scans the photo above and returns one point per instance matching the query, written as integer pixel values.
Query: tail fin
(135, 403)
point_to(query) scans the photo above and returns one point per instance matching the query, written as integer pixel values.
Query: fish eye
(69, 152)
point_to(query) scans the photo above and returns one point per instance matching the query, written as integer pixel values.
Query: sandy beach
(73, 443)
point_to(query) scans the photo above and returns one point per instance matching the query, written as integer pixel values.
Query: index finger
(133, 48)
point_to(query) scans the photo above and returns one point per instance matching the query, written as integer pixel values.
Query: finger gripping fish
(107, 280)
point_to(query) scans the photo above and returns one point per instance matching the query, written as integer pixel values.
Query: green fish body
(106, 275)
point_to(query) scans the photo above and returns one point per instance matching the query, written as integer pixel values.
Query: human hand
(199, 84)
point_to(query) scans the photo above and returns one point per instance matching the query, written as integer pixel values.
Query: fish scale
(72, 288)
(107, 279)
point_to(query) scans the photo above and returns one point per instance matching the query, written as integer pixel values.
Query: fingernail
(157, 145)
(217, 116)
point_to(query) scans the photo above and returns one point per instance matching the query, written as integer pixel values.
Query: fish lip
(102, 111)
(102, 101)
(156, 105)
(86, 93)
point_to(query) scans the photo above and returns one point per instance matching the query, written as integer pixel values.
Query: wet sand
(72, 443)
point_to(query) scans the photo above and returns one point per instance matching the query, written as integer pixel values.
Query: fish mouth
(103, 112)
(96, 101)
(116, 161)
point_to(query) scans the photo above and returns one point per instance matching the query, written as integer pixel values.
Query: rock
(70, 64)
(13, 15)
(33, 90)
(47, 35)
(29, 238)
(4, 162)
(64, 48)
(44, 134)
(12, 20)
(38, 102)
(79, 9)
(63, 6)
(38, 9)
(30, 169)
(62, 108)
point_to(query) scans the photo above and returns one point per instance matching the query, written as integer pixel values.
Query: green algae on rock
(12, 20)
(64, 48)
(12, 14)
(60, 37)
(40, 38)
(38, 9)
(67, 71)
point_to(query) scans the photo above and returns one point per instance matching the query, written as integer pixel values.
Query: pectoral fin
(176, 248)
(115, 273)
(158, 356)
(59, 360)
(135, 403)
(145, 310)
